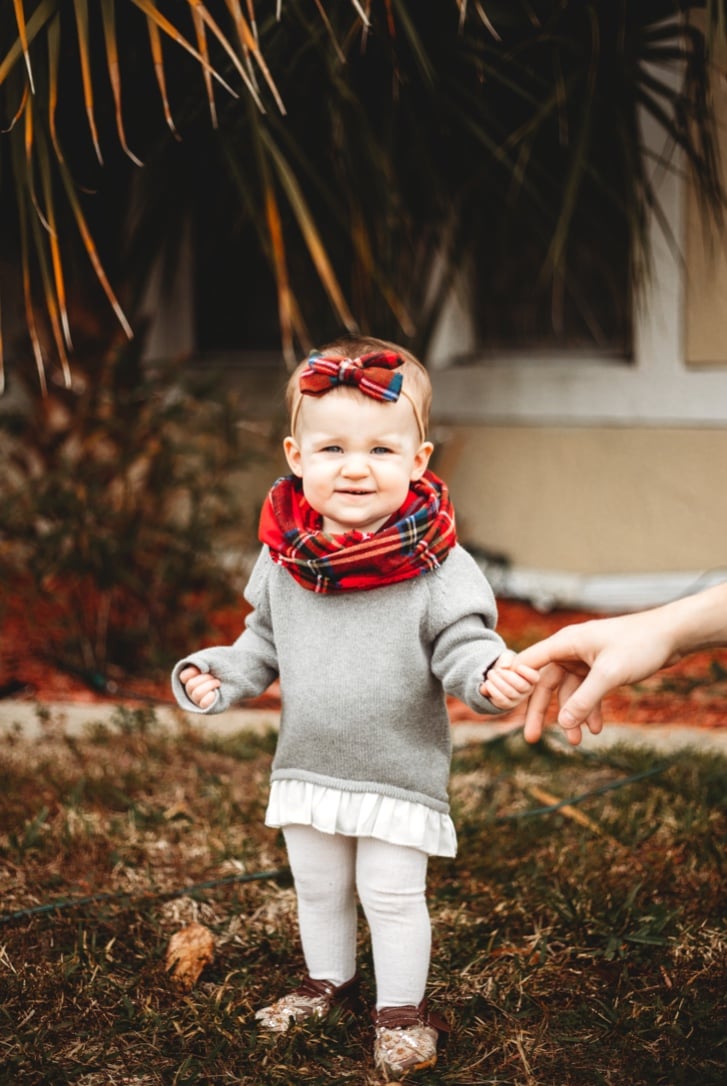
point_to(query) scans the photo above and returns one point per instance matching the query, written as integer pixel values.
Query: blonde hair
(417, 386)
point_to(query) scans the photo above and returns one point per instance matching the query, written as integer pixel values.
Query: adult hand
(582, 663)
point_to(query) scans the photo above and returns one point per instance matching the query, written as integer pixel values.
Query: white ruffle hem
(361, 814)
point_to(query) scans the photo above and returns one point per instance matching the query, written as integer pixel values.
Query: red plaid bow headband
(373, 374)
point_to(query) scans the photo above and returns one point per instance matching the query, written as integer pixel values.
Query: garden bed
(692, 692)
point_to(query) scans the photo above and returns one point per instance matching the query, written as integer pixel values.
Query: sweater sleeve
(463, 615)
(247, 667)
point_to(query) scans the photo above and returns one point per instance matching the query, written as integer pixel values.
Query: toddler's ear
(421, 460)
(292, 455)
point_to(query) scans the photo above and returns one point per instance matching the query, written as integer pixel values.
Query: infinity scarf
(415, 540)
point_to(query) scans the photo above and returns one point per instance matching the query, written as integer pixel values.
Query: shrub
(113, 502)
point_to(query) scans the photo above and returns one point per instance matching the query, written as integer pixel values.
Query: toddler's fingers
(201, 688)
(505, 659)
(514, 681)
(189, 673)
(500, 683)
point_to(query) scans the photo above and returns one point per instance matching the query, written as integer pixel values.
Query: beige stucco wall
(595, 500)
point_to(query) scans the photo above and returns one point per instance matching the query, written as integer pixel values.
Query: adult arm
(583, 662)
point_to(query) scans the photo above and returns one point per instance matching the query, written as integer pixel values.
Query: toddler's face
(356, 457)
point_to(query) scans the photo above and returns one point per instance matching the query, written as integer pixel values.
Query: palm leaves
(371, 147)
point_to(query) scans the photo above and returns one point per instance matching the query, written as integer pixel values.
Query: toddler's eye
(332, 449)
(381, 450)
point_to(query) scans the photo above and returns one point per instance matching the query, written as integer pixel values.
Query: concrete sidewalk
(29, 717)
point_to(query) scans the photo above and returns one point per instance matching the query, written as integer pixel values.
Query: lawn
(584, 944)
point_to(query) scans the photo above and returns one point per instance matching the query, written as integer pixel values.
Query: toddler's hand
(508, 683)
(200, 687)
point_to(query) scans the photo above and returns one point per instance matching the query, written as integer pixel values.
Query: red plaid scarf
(415, 540)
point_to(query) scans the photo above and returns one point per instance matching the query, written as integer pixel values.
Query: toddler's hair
(417, 384)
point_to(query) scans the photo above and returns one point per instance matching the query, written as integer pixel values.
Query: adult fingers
(571, 644)
(584, 703)
(551, 678)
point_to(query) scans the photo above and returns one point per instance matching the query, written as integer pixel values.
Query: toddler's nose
(355, 466)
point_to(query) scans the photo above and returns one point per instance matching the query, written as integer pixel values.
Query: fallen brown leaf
(189, 951)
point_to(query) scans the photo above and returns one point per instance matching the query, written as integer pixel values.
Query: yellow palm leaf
(199, 29)
(362, 247)
(45, 10)
(21, 108)
(280, 267)
(29, 141)
(310, 234)
(112, 60)
(23, 214)
(155, 16)
(249, 42)
(81, 10)
(53, 38)
(251, 17)
(55, 252)
(51, 302)
(155, 41)
(234, 9)
(91, 250)
(23, 35)
(204, 14)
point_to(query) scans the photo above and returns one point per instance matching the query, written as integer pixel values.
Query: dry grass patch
(581, 945)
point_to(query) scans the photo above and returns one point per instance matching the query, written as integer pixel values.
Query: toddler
(368, 611)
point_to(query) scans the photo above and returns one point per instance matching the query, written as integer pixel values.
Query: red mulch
(692, 692)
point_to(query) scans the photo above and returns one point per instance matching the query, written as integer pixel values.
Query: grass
(582, 945)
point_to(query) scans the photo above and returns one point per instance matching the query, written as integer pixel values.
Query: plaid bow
(371, 373)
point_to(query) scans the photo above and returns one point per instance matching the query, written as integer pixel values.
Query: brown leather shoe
(311, 999)
(407, 1039)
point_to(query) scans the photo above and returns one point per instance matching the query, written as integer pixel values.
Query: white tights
(329, 869)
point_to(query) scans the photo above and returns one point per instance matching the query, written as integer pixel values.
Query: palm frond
(155, 43)
(202, 48)
(82, 29)
(23, 38)
(91, 250)
(418, 139)
(310, 233)
(114, 70)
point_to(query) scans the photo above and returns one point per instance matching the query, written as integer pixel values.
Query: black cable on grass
(125, 895)
(572, 801)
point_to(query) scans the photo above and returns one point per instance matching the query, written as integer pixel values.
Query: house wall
(595, 464)
(591, 500)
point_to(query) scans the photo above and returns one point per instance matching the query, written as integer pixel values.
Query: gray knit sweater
(362, 674)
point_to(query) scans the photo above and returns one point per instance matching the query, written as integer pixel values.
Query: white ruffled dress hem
(361, 814)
